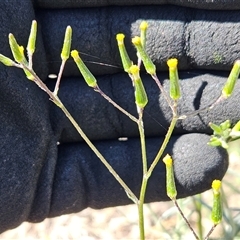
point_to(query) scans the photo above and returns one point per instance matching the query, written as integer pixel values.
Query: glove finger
(81, 180)
(26, 134)
(204, 4)
(199, 39)
(100, 120)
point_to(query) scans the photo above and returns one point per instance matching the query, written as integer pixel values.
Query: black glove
(41, 179)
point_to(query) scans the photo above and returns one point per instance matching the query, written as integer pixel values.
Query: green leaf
(217, 129)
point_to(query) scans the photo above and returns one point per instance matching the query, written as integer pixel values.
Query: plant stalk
(58, 102)
(163, 146)
(144, 179)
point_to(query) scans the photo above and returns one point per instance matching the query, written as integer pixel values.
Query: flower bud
(6, 61)
(174, 79)
(216, 215)
(215, 142)
(170, 182)
(143, 28)
(17, 51)
(67, 44)
(147, 62)
(141, 98)
(32, 38)
(87, 75)
(126, 62)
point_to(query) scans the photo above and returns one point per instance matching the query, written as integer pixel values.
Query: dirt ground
(161, 220)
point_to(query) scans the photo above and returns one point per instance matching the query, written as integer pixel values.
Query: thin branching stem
(58, 102)
(202, 110)
(165, 95)
(185, 219)
(97, 89)
(198, 208)
(163, 146)
(59, 77)
(210, 232)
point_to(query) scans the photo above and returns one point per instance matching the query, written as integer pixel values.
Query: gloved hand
(41, 179)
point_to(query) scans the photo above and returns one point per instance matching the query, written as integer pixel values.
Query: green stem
(143, 143)
(198, 208)
(55, 92)
(144, 179)
(185, 219)
(58, 102)
(164, 145)
(147, 173)
(141, 205)
(98, 154)
(98, 89)
(165, 95)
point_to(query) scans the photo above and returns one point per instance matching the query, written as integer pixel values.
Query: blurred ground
(161, 220)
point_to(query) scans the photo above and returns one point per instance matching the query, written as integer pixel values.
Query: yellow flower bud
(126, 62)
(172, 63)
(168, 160)
(170, 181)
(143, 25)
(216, 215)
(87, 75)
(216, 185)
(141, 98)
(120, 37)
(174, 79)
(136, 41)
(143, 28)
(147, 62)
